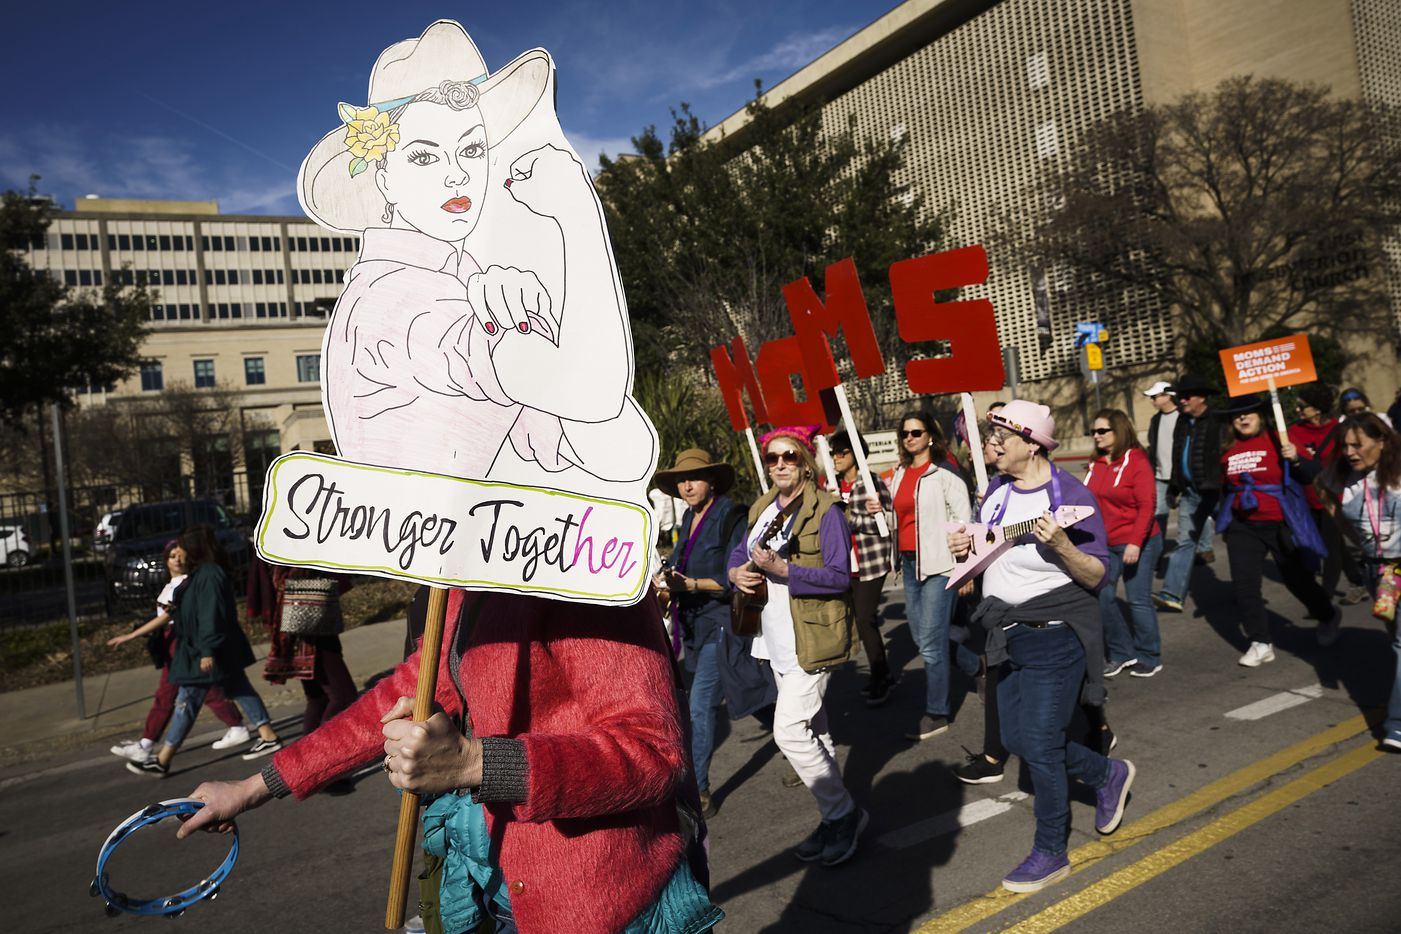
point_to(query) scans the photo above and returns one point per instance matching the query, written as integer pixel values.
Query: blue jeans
(1142, 643)
(705, 696)
(1036, 698)
(1194, 529)
(929, 607)
(191, 699)
(1161, 510)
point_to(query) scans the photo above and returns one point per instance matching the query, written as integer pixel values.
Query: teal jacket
(206, 626)
(454, 828)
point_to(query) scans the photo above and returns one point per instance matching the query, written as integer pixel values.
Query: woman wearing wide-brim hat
(719, 661)
(1258, 517)
(429, 173)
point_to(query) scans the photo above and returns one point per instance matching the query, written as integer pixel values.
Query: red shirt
(905, 506)
(1313, 442)
(1255, 456)
(1127, 496)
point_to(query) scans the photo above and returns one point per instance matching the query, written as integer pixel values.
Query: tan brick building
(241, 302)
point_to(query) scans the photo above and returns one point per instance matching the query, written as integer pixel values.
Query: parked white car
(15, 549)
(102, 535)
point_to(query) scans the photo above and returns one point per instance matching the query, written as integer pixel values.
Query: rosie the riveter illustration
(485, 304)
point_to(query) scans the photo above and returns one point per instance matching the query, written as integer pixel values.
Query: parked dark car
(134, 567)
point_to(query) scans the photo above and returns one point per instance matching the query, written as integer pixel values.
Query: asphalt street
(1260, 804)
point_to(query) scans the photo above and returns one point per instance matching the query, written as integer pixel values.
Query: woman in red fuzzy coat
(572, 744)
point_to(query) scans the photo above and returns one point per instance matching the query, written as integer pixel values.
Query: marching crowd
(1017, 586)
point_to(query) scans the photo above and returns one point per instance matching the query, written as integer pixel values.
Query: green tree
(57, 339)
(1259, 207)
(708, 231)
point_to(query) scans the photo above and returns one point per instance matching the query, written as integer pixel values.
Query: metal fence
(32, 588)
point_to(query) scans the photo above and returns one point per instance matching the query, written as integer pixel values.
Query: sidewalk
(43, 720)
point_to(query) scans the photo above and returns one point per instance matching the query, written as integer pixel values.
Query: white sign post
(861, 466)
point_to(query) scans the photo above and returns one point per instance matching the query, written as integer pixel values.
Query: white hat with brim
(1158, 388)
(334, 198)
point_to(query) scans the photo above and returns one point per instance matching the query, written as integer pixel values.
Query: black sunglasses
(792, 458)
(1101, 431)
(912, 433)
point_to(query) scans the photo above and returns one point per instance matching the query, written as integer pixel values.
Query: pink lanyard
(1374, 518)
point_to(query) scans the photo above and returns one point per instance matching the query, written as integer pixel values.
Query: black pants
(865, 598)
(992, 723)
(1247, 543)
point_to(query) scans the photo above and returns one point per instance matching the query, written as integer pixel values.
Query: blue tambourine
(170, 906)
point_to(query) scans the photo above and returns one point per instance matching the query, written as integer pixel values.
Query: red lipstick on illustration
(457, 205)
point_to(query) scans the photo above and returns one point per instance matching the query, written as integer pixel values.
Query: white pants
(800, 729)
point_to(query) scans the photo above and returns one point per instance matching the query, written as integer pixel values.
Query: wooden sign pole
(758, 461)
(975, 442)
(1278, 410)
(860, 454)
(428, 653)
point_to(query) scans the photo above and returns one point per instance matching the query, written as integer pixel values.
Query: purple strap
(1007, 497)
(681, 569)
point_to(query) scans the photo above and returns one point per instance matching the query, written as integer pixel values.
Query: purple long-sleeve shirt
(835, 574)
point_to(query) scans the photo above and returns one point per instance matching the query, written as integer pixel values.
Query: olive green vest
(822, 625)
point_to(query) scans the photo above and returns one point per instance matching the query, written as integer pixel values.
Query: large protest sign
(477, 368)
(1284, 361)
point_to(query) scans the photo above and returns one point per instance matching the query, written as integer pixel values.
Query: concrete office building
(989, 91)
(241, 301)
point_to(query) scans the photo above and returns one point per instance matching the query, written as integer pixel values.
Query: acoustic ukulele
(746, 609)
(990, 541)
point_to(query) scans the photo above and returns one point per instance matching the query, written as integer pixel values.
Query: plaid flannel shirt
(875, 553)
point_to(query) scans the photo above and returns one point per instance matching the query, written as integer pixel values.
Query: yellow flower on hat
(369, 134)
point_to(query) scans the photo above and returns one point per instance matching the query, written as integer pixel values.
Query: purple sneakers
(1113, 795)
(1036, 872)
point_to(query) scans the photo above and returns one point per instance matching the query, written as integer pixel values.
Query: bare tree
(1259, 208)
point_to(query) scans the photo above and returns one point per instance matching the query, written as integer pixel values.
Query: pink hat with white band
(1031, 420)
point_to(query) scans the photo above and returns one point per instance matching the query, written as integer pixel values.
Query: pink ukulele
(989, 541)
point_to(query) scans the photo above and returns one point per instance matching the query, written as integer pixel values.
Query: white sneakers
(233, 736)
(1257, 654)
(133, 751)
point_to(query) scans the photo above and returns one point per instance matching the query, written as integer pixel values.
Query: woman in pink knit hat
(798, 544)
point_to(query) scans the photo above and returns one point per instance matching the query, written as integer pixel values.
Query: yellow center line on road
(1208, 796)
(1194, 843)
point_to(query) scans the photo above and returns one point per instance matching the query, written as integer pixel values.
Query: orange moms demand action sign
(1287, 361)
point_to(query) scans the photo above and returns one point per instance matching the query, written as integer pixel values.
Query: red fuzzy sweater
(588, 690)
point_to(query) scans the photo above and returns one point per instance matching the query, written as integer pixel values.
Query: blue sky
(222, 100)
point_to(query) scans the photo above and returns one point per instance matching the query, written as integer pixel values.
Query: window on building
(165, 242)
(233, 277)
(1038, 71)
(111, 241)
(229, 244)
(66, 240)
(204, 374)
(178, 243)
(70, 277)
(167, 277)
(85, 277)
(308, 367)
(81, 241)
(152, 378)
(301, 244)
(1047, 141)
(124, 241)
(315, 244)
(184, 311)
(236, 310)
(254, 245)
(97, 277)
(316, 276)
(254, 373)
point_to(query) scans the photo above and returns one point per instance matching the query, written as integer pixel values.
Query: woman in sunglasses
(799, 545)
(873, 557)
(929, 492)
(1121, 478)
(1256, 520)
(1042, 620)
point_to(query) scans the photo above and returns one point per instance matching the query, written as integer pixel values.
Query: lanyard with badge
(1388, 586)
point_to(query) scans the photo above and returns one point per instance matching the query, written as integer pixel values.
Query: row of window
(211, 276)
(182, 311)
(182, 242)
(254, 372)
